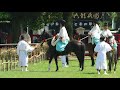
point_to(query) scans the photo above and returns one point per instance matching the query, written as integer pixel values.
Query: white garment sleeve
(109, 33)
(53, 42)
(108, 47)
(63, 33)
(97, 48)
(29, 48)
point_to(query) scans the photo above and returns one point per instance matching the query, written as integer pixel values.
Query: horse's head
(47, 36)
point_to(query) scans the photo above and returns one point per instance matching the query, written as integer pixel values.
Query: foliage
(112, 14)
(44, 18)
(35, 20)
(5, 16)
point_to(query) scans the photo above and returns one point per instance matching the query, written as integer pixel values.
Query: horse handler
(102, 48)
(22, 51)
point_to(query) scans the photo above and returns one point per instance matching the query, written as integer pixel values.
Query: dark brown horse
(89, 46)
(112, 57)
(73, 46)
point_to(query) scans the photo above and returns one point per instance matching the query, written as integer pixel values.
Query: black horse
(73, 46)
(89, 46)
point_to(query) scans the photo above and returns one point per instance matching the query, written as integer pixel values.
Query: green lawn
(40, 70)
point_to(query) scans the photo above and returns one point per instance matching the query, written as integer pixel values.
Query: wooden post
(11, 62)
(7, 68)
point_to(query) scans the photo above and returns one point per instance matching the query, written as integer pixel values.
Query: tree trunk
(15, 31)
(67, 16)
(113, 23)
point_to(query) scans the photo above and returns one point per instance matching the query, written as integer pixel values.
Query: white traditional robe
(95, 33)
(106, 33)
(102, 48)
(94, 30)
(22, 51)
(63, 33)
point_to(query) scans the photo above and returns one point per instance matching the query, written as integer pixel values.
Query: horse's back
(78, 45)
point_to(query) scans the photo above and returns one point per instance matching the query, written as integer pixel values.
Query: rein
(84, 38)
(45, 40)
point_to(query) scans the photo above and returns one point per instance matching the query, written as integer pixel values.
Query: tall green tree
(34, 20)
(5, 16)
(113, 16)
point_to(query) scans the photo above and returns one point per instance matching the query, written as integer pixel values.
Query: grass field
(40, 70)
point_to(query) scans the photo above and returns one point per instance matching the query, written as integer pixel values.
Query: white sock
(105, 72)
(26, 69)
(21, 68)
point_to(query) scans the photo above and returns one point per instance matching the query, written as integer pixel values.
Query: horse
(112, 56)
(73, 46)
(89, 46)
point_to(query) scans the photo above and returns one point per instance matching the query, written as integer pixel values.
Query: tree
(34, 20)
(5, 16)
(113, 15)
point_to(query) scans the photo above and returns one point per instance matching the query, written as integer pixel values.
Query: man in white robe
(101, 61)
(95, 33)
(106, 32)
(26, 36)
(22, 51)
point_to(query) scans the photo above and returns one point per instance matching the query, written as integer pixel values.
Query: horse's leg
(51, 57)
(56, 62)
(115, 60)
(110, 61)
(93, 62)
(67, 60)
(92, 58)
(81, 61)
(93, 55)
(80, 65)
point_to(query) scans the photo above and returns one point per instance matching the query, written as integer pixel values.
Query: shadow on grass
(89, 73)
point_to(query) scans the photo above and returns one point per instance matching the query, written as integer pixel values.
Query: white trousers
(63, 59)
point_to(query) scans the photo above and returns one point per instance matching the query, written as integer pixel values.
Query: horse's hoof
(92, 65)
(48, 69)
(56, 70)
(81, 70)
(109, 71)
